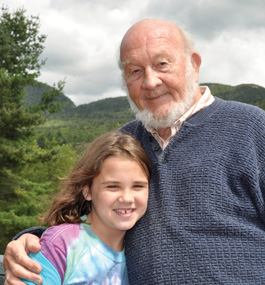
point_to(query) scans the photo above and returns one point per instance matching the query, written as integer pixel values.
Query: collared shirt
(206, 100)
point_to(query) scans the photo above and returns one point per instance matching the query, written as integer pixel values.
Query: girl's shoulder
(58, 234)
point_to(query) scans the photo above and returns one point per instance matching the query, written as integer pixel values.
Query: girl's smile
(119, 197)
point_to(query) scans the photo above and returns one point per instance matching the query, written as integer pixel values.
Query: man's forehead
(140, 36)
(152, 48)
(137, 39)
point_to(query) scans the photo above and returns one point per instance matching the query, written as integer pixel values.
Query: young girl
(104, 196)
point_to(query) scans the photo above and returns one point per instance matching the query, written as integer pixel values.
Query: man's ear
(86, 193)
(196, 63)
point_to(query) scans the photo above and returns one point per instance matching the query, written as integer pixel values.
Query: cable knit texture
(205, 222)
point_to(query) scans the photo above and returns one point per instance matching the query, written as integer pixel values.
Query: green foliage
(84, 123)
(34, 153)
(20, 46)
(246, 93)
(34, 93)
(22, 192)
(29, 192)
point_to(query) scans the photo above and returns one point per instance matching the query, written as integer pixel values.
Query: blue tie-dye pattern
(49, 274)
(90, 261)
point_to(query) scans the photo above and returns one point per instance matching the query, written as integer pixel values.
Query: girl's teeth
(123, 211)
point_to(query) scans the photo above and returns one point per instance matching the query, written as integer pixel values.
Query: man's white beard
(158, 121)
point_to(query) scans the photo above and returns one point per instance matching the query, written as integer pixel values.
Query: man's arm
(36, 231)
(16, 262)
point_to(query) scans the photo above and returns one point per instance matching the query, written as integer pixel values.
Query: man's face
(155, 70)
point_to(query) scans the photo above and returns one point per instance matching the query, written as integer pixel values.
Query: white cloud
(83, 39)
(233, 58)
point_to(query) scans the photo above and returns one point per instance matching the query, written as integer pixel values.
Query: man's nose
(151, 79)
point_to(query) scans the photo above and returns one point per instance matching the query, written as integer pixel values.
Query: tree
(20, 48)
(20, 64)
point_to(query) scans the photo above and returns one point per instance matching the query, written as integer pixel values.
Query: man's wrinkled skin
(15, 257)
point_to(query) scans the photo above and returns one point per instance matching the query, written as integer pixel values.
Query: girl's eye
(139, 186)
(112, 186)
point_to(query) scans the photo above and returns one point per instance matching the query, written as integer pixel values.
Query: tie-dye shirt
(73, 254)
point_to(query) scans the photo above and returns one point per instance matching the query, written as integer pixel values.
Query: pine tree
(20, 48)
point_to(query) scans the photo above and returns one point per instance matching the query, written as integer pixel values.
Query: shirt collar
(205, 100)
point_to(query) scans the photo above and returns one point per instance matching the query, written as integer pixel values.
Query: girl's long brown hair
(69, 204)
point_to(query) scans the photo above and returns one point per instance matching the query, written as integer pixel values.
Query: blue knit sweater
(205, 222)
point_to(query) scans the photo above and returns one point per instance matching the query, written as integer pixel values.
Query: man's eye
(163, 65)
(134, 75)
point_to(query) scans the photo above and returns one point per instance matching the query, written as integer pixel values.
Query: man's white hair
(156, 121)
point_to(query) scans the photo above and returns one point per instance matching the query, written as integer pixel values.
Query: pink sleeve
(54, 243)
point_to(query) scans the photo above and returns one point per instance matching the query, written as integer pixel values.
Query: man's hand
(18, 264)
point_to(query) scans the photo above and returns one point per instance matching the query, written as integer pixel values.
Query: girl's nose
(126, 196)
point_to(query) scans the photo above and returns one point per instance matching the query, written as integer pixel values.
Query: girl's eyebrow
(141, 182)
(117, 182)
(109, 181)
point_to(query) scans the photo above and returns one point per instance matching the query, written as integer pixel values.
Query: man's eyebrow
(163, 55)
(126, 62)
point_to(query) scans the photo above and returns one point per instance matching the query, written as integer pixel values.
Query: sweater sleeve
(37, 231)
(259, 141)
(49, 274)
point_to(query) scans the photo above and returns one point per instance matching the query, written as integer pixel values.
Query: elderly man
(205, 222)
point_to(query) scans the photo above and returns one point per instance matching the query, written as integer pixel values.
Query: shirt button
(164, 160)
(156, 148)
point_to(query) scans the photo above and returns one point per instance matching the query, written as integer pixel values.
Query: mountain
(34, 94)
(110, 107)
(247, 93)
(81, 124)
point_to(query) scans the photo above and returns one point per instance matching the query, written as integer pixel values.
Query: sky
(83, 38)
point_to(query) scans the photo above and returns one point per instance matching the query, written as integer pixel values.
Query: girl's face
(119, 197)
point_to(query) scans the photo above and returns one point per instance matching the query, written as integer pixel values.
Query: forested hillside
(247, 93)
(29, 173)
(42, 132)
(66, 133)
(34, 94)
(83, 123)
